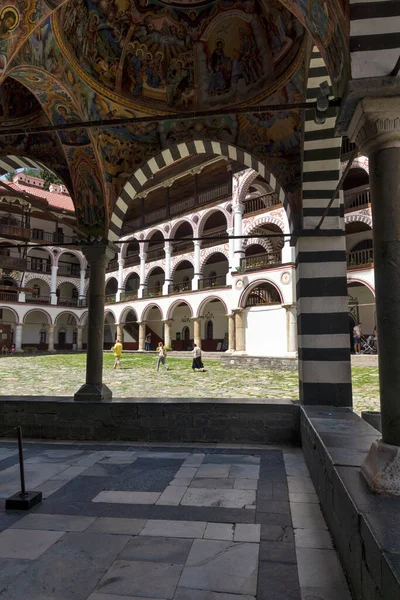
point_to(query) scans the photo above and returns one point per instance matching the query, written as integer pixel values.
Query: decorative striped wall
(12, 163)
(374, 37)
(167, 157)
(321, 286)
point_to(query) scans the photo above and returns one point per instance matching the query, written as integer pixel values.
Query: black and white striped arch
(133, 187)
(12, 163)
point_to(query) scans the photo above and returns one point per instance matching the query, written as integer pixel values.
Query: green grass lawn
(63, 374)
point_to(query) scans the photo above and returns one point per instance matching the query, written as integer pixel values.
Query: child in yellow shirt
(117, 349)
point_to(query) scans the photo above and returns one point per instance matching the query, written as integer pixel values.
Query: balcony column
(51, 338)
(240, 333)
(79, 338)
(18, 337)
(231, 242)
(21, 297)
(375, 128)
(120, 331)
(291, 328)
(197, 273)
(82, 284)
(53, 284)
(121, 265)
(238, 210)
(197, 330)
(168, 279)
(142, 335)
(142, 287)
(231, 333)
(94, 390)
(167, 332)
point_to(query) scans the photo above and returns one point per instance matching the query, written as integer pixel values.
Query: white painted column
(291, 328)
(197, 274)
(21, 297)
(121, 265)
(288, 252)
(143, 258)
(167, 332)
(231, 334)
(53, 284)
(51, 338)
(168, 278)
(18, 337)
(82, 285)
(79, 338)
(142, 335)
(238, 230)
(240, 333)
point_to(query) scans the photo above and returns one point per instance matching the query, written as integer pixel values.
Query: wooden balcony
(261, 261)
(8, 296)
(354, 200)
(73, 302)
(129, 295)
(212, 282)
(360, 259)
(151, 292)
(16, 232)
(177, 288)
(112, 266)
(156, 253)
(13, 263)
(132, 259)
(218, 235)
(33, 299)
(261, 203)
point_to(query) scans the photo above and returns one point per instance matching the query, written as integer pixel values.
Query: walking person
(357, 338)
(162, 355)
(197, 362)
(117, 349)
(148, 342)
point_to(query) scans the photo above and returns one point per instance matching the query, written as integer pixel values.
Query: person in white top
(162, 354)
(357, 338)
(197, 362)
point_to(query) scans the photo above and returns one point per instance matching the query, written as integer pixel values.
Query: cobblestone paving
(62, 375)
(136, 522)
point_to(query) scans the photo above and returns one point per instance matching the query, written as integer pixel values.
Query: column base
(381, 468)
(239, 352)
(91, 392)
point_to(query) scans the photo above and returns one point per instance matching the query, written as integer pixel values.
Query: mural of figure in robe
(9, 20)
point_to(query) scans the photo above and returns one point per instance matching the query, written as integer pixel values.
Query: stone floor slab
(26, 544)
(299, 497)
(194, 460)
(10, 568)
(117, 525)
(181, 481)
(53, 522)
(115, 497)
(244, 472)
(301, 484)
(219, 531)
(320, 568)
(157, 549)
(100, 596)
(219, 498)
(237, 459)
(221, 567)
(247, 532)
(148, 579)
(307, 516)
(308, 593)
(213, 470)
(212, 483)
(245, 484)
(35, 474)
(313, 538)
(172, 495)
(180, 529)
(182, 594)
(186, 472)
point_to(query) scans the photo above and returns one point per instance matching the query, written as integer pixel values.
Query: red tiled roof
(59, 201)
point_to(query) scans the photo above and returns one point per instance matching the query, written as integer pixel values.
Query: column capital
(237, 310)
(99, 254)
(196, 318)
(238, 209)
(51, 326)
(168, 321)
(230, 315)
(376, 124)
(19, 324)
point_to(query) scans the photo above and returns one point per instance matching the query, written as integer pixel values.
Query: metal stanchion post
(22, 500)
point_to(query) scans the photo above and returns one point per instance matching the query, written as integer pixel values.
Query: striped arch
(66, 280)
(132, 270)
(30, 276)
(322, 298)
(153, 267)
(76, 253)
(175, 304)
(247, 291)
(265, 220)
(265, 243)
(13, 162)
(208, 213)
(245, 184)
(180, 259)
(167, 157)
(178, 223)
(209, 252)
(358, 219)
(14, 280)
(204, 303)
(374, 40)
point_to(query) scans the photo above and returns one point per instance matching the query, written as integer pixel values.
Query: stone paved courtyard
(136, 522)
(62, 375)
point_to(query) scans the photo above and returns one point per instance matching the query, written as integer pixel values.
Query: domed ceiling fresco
(80, 60)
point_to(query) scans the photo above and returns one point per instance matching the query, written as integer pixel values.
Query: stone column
(82, 285)
(121, 265)
(51, 338)
(240, 331)
(197, 330)
(291, 328)
(79, 338)
(167, 332)
(142, 335)
(197, 274)
(18, 337)
(238, 230)
(168, 278)
(375, 128)
(94, 390)
(53, 284)
(231, 333)
(142, 287)
(120, 331)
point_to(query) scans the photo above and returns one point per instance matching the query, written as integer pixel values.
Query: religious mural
(17, 102)
(219, 129)
(150, 54)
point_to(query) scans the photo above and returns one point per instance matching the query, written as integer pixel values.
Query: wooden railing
(212, 282)
(38, 235)
(129, 295)
(110, 298)
(150, 292)
(155, 253)
(176, 288)
(211, 195)
(347, 147)
(358, 199)
(360, 258)
(13, 263)
(83, 302)
(260, 261)
(261, 203)
(156, 215)
(182, 246)
(67, 301)
(15, 231)
(182, 206)
(132, 259)
(9, 296)
(33, 299)
(112, 266)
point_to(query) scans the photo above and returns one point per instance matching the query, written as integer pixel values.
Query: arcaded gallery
(218, 174)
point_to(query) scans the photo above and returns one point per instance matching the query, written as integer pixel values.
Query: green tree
(9, 176)
(49, 178)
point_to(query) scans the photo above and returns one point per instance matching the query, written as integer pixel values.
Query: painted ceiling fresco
(75, 60)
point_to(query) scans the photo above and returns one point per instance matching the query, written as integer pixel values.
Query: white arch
(208, 213)
(263, 220)
(180, 259)
(358, 218)
(40, 310)
(83, 319)
(126, 311)
(76, 253)
(174, 305)
(352, 279)
(109, 311)
(209, 252)
(147, 309)
(124, 247)
(249, 288)
(133, 270)
(69, 313)
(47, 250)
(16, 315)
(150, 271)
(180, 222)
(205, 301)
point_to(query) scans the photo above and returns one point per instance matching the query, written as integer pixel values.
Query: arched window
(209, 330)
(263, 294)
